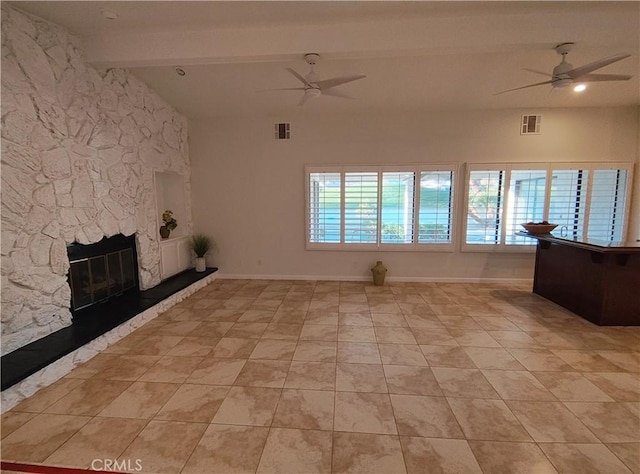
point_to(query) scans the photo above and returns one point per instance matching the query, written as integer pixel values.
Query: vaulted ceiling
(416, 55)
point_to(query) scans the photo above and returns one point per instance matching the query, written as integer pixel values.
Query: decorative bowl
(539, 229)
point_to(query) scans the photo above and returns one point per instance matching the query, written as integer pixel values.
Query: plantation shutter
(526, 203)
(361, 207)
(608, 197)
(568, 200)
(436, 207)
(324, 207)
(484, 207)
(397, 206)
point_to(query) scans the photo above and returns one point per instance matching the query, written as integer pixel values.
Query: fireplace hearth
(102, 318)
(101, 272)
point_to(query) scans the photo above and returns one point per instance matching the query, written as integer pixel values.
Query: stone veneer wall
(79, 149)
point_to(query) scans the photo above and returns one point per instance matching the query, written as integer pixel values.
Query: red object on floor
(39, 469)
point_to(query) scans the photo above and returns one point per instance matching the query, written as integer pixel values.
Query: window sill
(382, 248)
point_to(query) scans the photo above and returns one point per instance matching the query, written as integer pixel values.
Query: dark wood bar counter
(599, 281)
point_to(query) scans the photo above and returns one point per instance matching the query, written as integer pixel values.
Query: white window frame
(549, 167)
(417, 169)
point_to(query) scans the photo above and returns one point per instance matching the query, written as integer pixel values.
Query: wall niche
(170, 192)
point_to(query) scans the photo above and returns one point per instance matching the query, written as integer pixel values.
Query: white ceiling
(416, 55)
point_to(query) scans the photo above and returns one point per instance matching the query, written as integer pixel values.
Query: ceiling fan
(313, 86)
(564, 74)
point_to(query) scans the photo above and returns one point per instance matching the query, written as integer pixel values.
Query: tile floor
(304, 377)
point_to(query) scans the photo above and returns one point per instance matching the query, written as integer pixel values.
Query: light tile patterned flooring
(302, 377)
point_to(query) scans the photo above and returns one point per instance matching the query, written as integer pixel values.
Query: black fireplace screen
(98, 278)
(99, 271)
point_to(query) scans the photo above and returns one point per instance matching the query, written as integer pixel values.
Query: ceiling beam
(449, 35)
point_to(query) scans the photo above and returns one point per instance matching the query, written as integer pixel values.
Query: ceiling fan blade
(578, 72)
(537, 72)
(524, 87)
(334, 93)
(603, 77)
(283, 89)
(336, 81)
(299, 77)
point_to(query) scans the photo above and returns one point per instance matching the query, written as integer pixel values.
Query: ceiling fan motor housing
(562, 82)
(560, 76)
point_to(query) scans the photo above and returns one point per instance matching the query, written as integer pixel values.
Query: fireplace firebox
(101, 271)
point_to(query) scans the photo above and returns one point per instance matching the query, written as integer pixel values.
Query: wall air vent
(530, 125)
(283, 131)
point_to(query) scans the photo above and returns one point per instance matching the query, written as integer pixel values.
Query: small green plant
(201, 244)
(169, 221)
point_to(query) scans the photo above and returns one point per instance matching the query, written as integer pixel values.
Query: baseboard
(391, 279)
(518, 281)
(235, 276)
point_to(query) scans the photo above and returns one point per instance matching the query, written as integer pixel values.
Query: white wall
(248, 188)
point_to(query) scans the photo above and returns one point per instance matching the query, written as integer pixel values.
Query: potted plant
(201, 244)
(169, 224)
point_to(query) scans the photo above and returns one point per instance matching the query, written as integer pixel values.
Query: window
(525, 203)
(607, 210)
(412, 207)
(484, 206)
(585, 200)
(436, 207)
(325, 219)
(360, 207)
(380, 207)
(590, 201)
(567, 201)
(397, 216)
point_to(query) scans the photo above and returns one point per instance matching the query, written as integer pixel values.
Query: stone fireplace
(80, 147)
(101, 272)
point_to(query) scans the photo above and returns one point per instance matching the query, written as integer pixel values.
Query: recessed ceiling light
(109, 15)
(579, 87)
(180, 71)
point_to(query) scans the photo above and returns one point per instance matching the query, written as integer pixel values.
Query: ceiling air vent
(283, 131)
(530, 125)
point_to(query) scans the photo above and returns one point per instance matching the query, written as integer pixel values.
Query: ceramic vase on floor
(379, 271)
